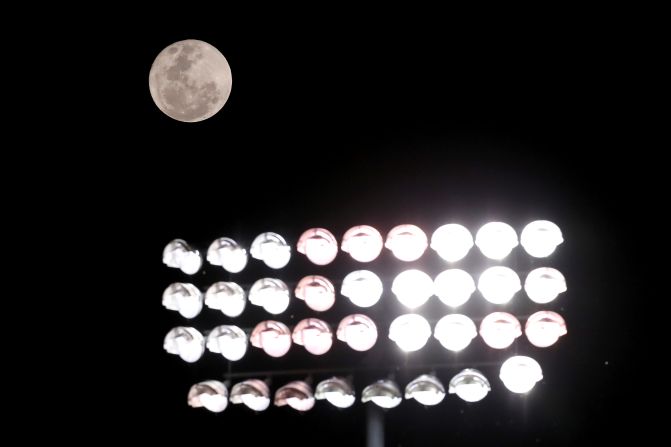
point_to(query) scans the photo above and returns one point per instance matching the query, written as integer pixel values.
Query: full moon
(190, 80)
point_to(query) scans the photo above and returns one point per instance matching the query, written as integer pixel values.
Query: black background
(326, 128)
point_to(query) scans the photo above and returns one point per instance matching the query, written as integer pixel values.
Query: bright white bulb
(319, 245)
(410, 332)
(499, 284)
(272, 249)
(540, 238)
(253, 393)
(273, 337)
(256, 403)
(496, 240)
(364, 243)
(425, 389)
(228, 297)
(454, 287)
(178, 254)
(184, 298)
(452, 242)
(470, 385)
(186, 342)
(336, 391)
(358, 331)
(363, 287)
(407, 242)
(455, 331)
(229, 341)
(228, 254)
(544, 328)
(211, 395)
(520, 374)
(271, 294)
(500, 329)
(544, 284)
(383, 393)
(314, 334)
(298, 395)
(317, 292)
(412, 288)
(340, 400)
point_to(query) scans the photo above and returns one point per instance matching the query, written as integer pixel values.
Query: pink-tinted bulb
(358, 331)
(271, 336)
(500, 329)
(319, 245)
(544, 328)
(317, 292)
(314, 334)
(363, 242)
(407, 242)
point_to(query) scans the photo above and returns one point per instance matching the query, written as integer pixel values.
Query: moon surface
(190, 80)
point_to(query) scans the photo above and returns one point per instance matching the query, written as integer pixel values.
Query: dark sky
(323, 129)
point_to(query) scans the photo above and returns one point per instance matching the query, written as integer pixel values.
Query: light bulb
(186, 342)
(184, 298)
(425, 389)
(383, 393)
(271, 336)
(540, 238)
(407, 242)
(520, 374)
(544, 284)
(314, 334)
(178, 254)
(544, 328)
(452, 242)
(336, 391)
(271, 294)
(210, 394)
(410, 332)
(496, 240)
(228, 297)
(319, 245)
(363, 243)
(272, 249)
(228, 254)
(454, 287)
(358, 331)
(412, 288)
(229, 341)
(470, 385)
(253, 393)
(455, 331)
(363, 288)
(500, 329)
(317, 292)
(499, 284)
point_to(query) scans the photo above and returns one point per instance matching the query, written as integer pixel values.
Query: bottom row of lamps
(519, 374)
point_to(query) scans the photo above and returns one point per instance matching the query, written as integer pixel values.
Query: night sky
(327, 130)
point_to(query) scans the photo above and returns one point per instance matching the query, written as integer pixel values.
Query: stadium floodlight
(186, 342)
(229, 341)
(185, 298)
(363, 287)
(178, 254)
(271, 336)
(337, 391)
(270, 293)
(314, 334)
(452, 242)
(272, 249)
(520, 374)
(319, 245)
(407, 242)
(540, 238)
(454, 287)
(496, 240)
(363, 242)
(455, 331)
(500, 329)
(544, 284)
(410, 332)
(470, 385)
(228, 297)
(412, 288)
(358, 331)
(210, 394)
(298, 395)
(383, 393)
(254, 393)
(544, 328)
(228, 254)
(425, 389)
(317, 292)
(499, 284)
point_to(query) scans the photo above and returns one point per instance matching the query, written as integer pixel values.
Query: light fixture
(358, 331)
(178, 254)
(407, 242)
(185, 298)
(186, 342)
(520, 373)
(383, 393)
(228, 297)
(319, 245)
(228, 254)
(412, 288)
(229, 341)
(499, 284)
(363, 243)
(496, 240)
(540, 238)
(363, 288)
(544, 328)
(410, 332)
(425, 389)
(317, 292)
(544, 284)
(455, 331)
(452, 242)
(271, 336)
(270, 293)
(454, 287)
(272, 249)
(210, 394)
(337, 391)
(298, 395)
(470, 385)
(500, 329)
(314, 334)
(254, 393)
